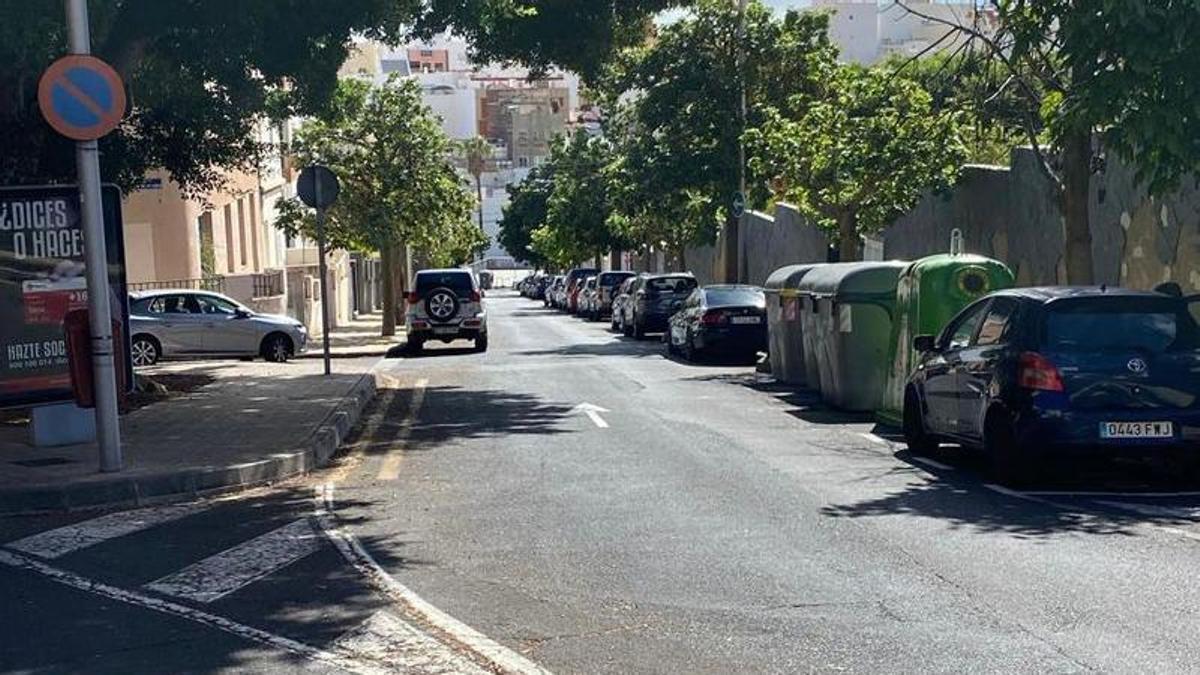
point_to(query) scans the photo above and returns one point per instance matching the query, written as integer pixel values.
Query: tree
(476, 152)
(678, 95)
(861, 153)
(1123, 71)
(578, 35)
(527, 210)
(578, 206)
(399, 185)
(202, 74)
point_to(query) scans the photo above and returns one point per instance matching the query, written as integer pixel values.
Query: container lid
(788, 276)
(854, 281)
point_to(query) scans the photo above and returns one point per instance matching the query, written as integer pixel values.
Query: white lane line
(1102, 493)
(875, 439)
(219, 575)
(63, 540)
(1180, 512)
(1176, 531)
(386, 639)
(389, 468)
(931, 462)
(593, 413)
(167, 607)
(501, 657)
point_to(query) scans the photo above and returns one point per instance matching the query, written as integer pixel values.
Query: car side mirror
(925, 343)
(241, 313)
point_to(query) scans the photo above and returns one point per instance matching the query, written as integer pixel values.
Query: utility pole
(104, 372)
(730, 235)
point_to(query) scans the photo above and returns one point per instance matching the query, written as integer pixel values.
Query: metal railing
(268, 285)
(214, 284)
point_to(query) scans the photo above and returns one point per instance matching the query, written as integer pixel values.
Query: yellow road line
(389, 469)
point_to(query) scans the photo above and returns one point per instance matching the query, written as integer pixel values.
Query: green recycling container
(784, 328)
(849, 309)
(929, 293)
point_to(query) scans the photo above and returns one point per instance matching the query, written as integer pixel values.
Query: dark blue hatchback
(1024, 372)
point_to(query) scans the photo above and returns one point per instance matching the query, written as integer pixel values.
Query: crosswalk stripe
(219, 575)
(63, 540)
(386, 639)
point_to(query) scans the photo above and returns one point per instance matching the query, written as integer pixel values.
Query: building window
(242, 231)
(228, 239)
(523, 162)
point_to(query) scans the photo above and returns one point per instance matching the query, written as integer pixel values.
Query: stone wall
(766, 243)
(1011, 214)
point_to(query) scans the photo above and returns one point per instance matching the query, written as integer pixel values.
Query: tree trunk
(1077, 233)
(681, 258)
(387, 260)
(614, 260)
(849, 244)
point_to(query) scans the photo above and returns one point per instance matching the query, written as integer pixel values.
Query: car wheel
(639, 330)
(689, 348)
(920, 443)
(481, 342)
(277, 348)
(1007, 462)
(669, 342)
(626, 329)
(144, 351)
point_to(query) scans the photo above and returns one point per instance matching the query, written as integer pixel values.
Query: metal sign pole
(322, 271)
(87, 158)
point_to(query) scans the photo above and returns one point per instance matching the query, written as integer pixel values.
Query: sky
(777, 5)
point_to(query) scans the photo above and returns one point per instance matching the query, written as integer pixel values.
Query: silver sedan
(167, 322)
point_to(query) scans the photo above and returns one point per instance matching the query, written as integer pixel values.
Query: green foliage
(199, 74)
(579, 204)
(1126, 68)
(578, 35)
(993, 112)
(676, 102)
(398, 184)
(865, 151)
(527, 210)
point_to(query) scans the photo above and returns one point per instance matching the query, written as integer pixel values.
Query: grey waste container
(847, 323)
(785, 334)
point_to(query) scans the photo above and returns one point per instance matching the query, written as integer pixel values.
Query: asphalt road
(687, 518)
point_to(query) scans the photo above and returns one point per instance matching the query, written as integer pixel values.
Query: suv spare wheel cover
(442, 304)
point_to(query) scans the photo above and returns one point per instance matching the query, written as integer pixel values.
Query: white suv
(446, 305)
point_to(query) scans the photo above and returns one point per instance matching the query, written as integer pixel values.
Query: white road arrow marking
(593, 412)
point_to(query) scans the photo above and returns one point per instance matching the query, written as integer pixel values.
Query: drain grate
(43, 461)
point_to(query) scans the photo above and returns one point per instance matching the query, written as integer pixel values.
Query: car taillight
(475, 297)
(413, 298)
(714, 318)
(1039, 373)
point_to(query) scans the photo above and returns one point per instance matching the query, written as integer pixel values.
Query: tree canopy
(527, 210)
(860, 154)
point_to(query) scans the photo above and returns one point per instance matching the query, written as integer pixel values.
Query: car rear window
(1141, 324)
(671, 285)
(459, 282)
(613, 279)
(734, 296)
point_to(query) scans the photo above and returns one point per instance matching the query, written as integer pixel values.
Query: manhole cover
(44, 461)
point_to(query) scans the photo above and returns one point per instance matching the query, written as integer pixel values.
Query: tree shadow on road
(613, 347)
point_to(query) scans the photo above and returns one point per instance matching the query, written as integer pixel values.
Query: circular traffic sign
(739, 204)
(317, 186)
(81, 97)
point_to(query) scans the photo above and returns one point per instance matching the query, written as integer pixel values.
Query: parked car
(620, 299)
(725, 319)
(606, 287)
(486, 279)
(539, 287)
(166, 323)
(575, 279)
(446, 305)
(551, 296)
(1024, 373)
(588, 297)
(652, 300)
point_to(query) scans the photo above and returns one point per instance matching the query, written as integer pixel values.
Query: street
(576, 500)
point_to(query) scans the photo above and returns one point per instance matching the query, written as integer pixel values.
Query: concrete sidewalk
(240, 423)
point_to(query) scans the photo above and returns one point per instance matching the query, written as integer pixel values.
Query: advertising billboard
(41, 279)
